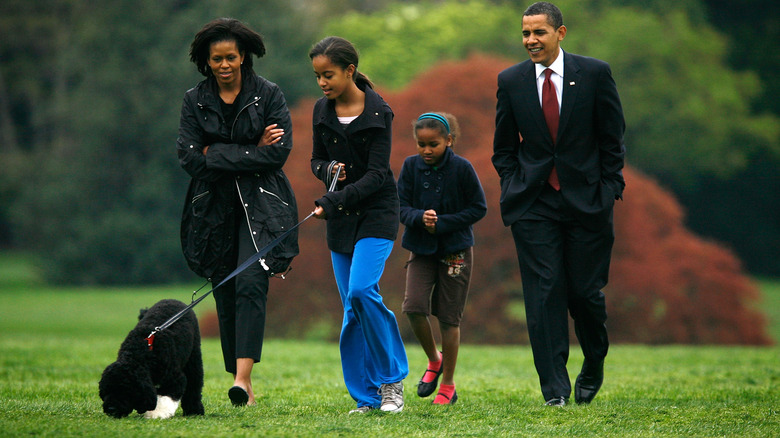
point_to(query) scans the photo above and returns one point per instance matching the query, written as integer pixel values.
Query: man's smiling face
(542, 41)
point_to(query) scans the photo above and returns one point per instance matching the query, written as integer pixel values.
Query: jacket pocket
(275, 212)
(269, 203)
(270, 193)
(205, 228)
(593, 175)
(199, 203)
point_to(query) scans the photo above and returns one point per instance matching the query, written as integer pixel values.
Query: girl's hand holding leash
(343, 171)
(337, 169)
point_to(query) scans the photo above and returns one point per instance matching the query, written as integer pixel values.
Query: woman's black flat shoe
(238, 396)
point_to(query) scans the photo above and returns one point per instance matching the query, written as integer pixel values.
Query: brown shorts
(438, 285)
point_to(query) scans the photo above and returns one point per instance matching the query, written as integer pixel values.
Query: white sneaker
(392, 397)
(361, 410)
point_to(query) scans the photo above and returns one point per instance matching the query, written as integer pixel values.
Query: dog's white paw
(166, 407)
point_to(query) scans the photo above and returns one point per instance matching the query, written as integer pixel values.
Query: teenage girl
(352, 128)
(441, 198)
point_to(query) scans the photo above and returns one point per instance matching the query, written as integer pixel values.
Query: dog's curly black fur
(173, 368)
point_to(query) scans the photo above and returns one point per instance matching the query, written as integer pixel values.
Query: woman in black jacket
(352, 131)
(235, 135)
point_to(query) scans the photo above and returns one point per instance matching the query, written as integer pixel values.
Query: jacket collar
(571, 87)
(208, 90)
(373, 115)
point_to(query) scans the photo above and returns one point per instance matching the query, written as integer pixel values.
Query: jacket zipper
(246, 215)
(198, 196)
(239, 113)
(262, 190)
(238, 189)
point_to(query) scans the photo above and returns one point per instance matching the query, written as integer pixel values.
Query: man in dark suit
(558, 149)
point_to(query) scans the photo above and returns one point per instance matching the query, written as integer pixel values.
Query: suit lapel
(571, 85)
(530, 95)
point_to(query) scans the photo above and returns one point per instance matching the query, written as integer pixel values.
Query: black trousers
(563, 267)
(241, 304)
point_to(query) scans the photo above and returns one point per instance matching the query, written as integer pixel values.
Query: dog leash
(257, 257)
(253, 259)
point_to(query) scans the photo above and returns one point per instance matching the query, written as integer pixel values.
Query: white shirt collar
(556, 66)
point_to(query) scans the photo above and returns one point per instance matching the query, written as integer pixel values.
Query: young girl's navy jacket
(366, 204)
(453, 190)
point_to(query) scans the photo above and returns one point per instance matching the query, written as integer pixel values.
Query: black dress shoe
(589, 381)
(556, 401)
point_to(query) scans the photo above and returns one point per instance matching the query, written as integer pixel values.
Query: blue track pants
(372, 352)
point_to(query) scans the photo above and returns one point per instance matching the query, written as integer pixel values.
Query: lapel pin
(571, 83)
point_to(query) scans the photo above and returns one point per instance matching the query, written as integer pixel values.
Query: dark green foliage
(689, 97)
(102, 187)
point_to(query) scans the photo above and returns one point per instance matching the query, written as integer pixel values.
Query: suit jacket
(589, 152)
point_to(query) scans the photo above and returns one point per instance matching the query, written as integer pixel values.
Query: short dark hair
(342, 53)
(248, 42)
(554, 15)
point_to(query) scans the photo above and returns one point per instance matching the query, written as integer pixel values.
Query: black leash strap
(253, 259)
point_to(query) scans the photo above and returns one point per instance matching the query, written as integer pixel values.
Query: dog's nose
(113, 411)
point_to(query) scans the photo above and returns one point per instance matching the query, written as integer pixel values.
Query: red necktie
(551, 116)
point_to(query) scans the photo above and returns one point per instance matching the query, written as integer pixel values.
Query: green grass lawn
(55, 342)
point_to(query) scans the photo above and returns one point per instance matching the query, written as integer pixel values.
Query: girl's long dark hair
(342, 53)
(248, 42)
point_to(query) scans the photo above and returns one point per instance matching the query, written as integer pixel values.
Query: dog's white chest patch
(166, 407)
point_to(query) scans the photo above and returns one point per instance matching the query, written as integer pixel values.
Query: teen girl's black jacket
(453, 190)
(366, 204)
(236, 180)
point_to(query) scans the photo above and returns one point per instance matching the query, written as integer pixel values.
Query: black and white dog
(153, 382)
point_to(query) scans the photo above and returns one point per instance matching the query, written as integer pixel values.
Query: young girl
(441, 198)
(352, 135)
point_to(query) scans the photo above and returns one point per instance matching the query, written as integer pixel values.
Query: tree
(104, 184)
(751, 194)
(96, 190)
(30, 41)
(90, 94)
